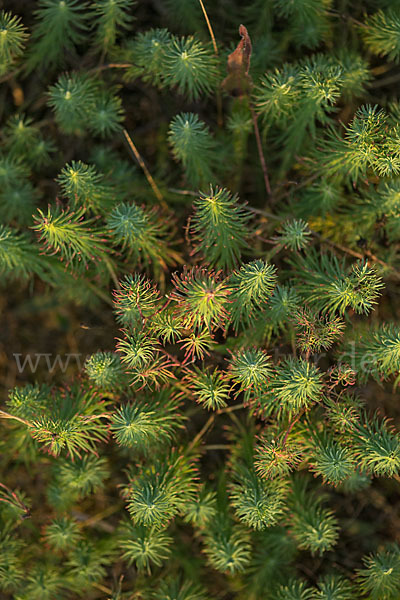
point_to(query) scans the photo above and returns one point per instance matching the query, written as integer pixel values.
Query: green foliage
(104, 369)
(251, 370)
(193, 145)
(160, 492)
(145, 546)
(146, 53)
(112, 16)
(296, 385)
(18, 256)
(190, 66)
(211, 390)
(62, 533)
(381, 576)
(219, 228)
(59, 27)
(313, 526)
(83, 186)
(201, 297)
(71, 98)
(67, 233)
(326, 286)
(227, 547)
(147, 422)
(12, 40)
(252, 286)
(294, 235)
(142, 235)
(80, 102)
(381, 33)
(370, 144)
(199, 260)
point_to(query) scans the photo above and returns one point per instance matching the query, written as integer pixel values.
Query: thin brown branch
(260, 152)
(210, 29)
(147, 173)
(5, 415)
(202, 431)
(291, 425)
(13, 500)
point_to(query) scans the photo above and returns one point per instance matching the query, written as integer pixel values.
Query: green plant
(199, 260)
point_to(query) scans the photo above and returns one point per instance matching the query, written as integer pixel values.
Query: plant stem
(260, 151)
(147, 173)
(210, 29)
(6, 415)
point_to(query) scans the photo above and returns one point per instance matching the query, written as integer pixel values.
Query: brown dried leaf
(238, 81)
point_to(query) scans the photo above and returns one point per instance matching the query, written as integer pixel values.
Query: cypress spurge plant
(199, 260)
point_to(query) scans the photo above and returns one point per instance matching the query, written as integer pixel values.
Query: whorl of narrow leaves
(25, 141)
(137, 351)
(135, 301)
(377, 448)
(167, 326)
(251, 369)
(83, 476)
(334, 586)
(12, 40)
(59, 27)
(202, 509)
(83, 186)
(382, 33)
(332, 461)
(69, 420)
(112, 17)
(308, 21)
(259, 503)
(313, 527)
(26, 401)
(210, 389)
(296, 385)
(62, 533)
(329, 287)
(197, 344)
(145, 365)
(18, 256)
(142, 234)
(252, 286)
(371, 142)
(276, 457)
(145, 546)
(146, 52)
(295, 589)
(173, 588)
(69, 234)
(104, 370)
(162, 490)
(380, 578)
(316, 333)
(71, 98)
(86, 564)
(190, 67)
(294, 235)
(106, 116)
(81, 102)
(193, 146)
(201, 298)
(219, 227)
(277, 93)
(227, 547)
(378, 353)
(146, 422)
